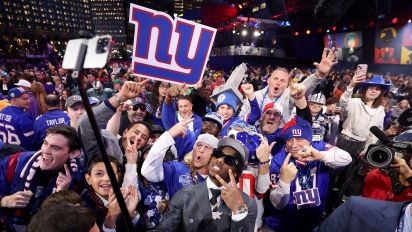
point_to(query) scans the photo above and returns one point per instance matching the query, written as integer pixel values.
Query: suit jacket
(190, 211)
(364, 214)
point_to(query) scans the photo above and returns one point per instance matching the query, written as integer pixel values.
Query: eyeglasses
(141, 107)
(228, 159)
(213, 125)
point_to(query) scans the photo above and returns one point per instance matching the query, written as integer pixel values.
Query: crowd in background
(292, 141)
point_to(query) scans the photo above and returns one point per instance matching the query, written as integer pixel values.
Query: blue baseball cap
(16, 92)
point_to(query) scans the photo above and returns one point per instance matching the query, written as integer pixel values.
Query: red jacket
(378, 186)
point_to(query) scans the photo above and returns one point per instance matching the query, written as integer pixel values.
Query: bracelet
(265, 162)
(240, 210)
(117, 98)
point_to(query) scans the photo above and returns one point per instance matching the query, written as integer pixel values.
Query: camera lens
(380, 156)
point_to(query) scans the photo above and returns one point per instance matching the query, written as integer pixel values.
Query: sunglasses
(213, 125)
(228, 159)
(141, 107)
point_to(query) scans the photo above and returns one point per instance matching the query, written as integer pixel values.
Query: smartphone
(97, 54)
(362, 69)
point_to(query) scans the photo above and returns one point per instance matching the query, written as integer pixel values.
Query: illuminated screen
(393, 45)
(348, 45)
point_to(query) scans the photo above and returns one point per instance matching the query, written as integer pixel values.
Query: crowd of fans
(256, 149)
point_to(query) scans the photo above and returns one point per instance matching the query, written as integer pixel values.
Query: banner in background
(166, 49)
(393, 45)
(348, 45)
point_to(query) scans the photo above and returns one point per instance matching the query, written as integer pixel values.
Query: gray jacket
(102, 114)
(190, 211)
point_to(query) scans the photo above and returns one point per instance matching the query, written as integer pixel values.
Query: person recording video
(393, 182)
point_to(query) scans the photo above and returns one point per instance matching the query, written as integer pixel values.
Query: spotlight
(234, 31)
(263, 31)
(240, 6)
(327, 31)
(296, 33)
(410, 21)
(333, 28)
(394, 20)
(244, 32)
(308, 32)
(256, 33)
(344, 28)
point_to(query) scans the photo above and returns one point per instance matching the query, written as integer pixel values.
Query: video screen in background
(393, 45)
(348, 45)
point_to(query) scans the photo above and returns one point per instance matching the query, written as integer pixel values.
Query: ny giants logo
(170, 50)
(296, 132)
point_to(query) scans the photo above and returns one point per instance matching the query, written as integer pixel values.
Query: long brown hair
(39, 93)
(377, 102)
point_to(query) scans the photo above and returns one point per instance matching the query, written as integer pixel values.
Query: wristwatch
(241, 209)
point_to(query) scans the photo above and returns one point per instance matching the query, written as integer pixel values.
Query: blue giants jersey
(16, 127)
(49, 119)
(177, 175)
(303, 211)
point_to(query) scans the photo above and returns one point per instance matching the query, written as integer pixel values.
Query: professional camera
(381, 155)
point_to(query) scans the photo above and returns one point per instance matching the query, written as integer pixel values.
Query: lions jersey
(49, 119)
(16, 127)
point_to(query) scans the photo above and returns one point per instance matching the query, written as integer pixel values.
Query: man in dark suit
(216, 204)
(364, 214)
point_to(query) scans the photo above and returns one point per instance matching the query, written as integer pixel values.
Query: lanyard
(264, 97)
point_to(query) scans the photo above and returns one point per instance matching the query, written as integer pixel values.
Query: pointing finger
(66, 169)
(287, 159)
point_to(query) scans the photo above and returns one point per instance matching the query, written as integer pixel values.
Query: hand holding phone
(362, 69)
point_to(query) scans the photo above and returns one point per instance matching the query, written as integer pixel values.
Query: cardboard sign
(169, 50)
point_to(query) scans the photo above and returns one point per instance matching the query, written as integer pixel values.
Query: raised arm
(347, 95)
(152, 168)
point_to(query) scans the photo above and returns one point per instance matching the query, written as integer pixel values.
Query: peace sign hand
(131, 151)
(230, 193)
(63, 180)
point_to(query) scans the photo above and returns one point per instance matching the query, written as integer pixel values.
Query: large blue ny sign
(169, 50)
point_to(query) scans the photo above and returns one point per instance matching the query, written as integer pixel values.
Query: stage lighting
(394, 20)
(296, 33)
(244, 32)
(308, 32)
(256, 33)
